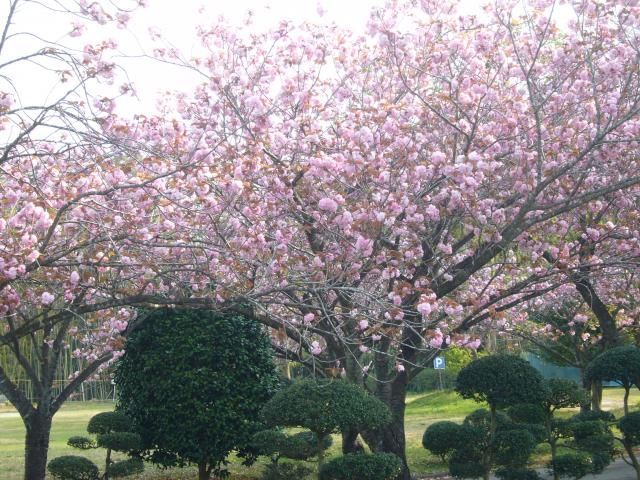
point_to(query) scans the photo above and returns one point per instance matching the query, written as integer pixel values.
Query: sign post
(439, 364)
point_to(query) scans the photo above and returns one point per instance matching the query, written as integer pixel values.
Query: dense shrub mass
(442, 438)
(73, 467)
(204, 402)
(377, 466)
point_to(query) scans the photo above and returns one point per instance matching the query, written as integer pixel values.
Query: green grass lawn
(422, 410)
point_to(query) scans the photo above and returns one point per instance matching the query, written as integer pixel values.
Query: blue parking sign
(439, 363)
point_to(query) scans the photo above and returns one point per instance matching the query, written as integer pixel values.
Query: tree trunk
(626, 400)
(350, 443)
(391, 438)
(554, 454)
(587, 385)
(36, 446)
(596, 396)
(204, 471)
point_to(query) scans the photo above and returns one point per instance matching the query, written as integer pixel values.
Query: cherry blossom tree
(385, 194)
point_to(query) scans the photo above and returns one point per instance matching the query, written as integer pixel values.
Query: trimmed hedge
(73, 467)
(572, 465)
(376, 466)
(125, 468)
(107, 422)
(442, 438)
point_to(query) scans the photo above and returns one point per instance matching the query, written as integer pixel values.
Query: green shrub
(82, 443)
(512, 448)
(517, 474)
(194, 381)
(73, 467)
(429, 380)
(325, 407)
(377, 466)
(572, 465)
(501, 381)
(593, 437)
(594, 415)
(268, 442)
(126, 442)
(527, 413)
(442, 438)
(630, 426)
(467, 463)
(107, 422)
(285, 471)
(124, 468)
(538, 432)
(304, 445)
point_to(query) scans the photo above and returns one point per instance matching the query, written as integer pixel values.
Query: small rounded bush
(538, 432)
(125, 468)
(593, 415)
(107, 422)
(376, 466)
(442, 438)
(467, 463)
(73, 467)
(593, 437)
(325, 407)
(513, 447)
(285, 471)
(517, 474)
(268, 442)
(481, 418)
(304, 445)
(572, 465)
(83, 443)
(120, 441)
(526, 413)
(630, 426)
(501, 381)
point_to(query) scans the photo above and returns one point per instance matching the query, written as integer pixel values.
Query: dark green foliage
(630, 427)
(563, 393)
(429, 380)
(126, 442)
(107, 422)
(304, 445)
(501, 381)
(467, 463)
(595, 437)
(442, 438)
(285, 471)
(81, 443)
(73, 467)
(594, 415)
(517, 474)
(377, 466)
(512, 448)
(124, 468)
(526, 413)
(538, 432)
(268, 442)
(572, 465)
(620, 364)
(481, 418)
(193, 382)
(325, 407)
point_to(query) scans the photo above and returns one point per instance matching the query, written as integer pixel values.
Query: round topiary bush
(442, 438)
(376, 466)
(82, 443)
(630, 426)
(304, 445)
(120, 441)
(285, 471)
(124, 468)
(594, 415)
(527, 413)
(107, 422)
(517, 474)
(512, 448)
(268, 442)
(325, 407)
(572, 465)
(73, 467)
(501, 381)
(467, 463)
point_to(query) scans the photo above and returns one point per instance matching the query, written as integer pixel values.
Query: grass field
(422, 410)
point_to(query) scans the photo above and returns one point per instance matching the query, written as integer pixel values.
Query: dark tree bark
(36, 447)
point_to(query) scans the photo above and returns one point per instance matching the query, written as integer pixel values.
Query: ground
(422, 410)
